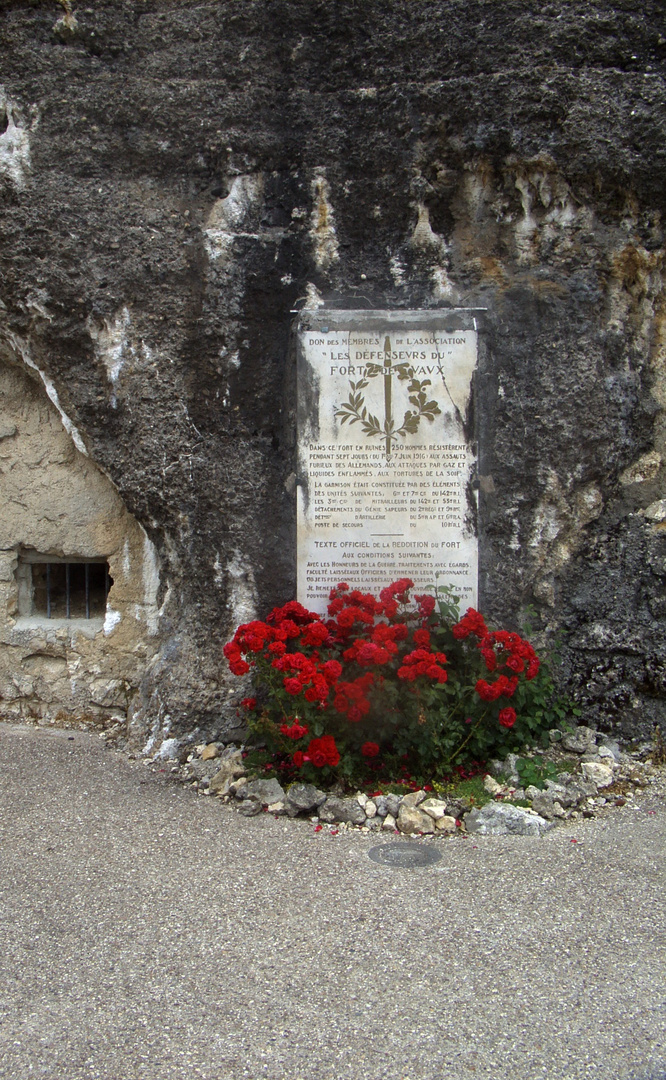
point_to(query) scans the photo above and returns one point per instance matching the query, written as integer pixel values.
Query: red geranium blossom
(350, 697)
(472, 622)
(426, 605)
(533, 668)
(292, 686)
(323, 751)
(296, 731)
(314, 634)
(331, 670)
(502, 687)
(422, 662)
(370, 749)
(507, 717)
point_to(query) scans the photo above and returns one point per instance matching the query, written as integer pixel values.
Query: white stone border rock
(576, 793)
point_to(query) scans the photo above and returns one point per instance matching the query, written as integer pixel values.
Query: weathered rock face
(177, 179)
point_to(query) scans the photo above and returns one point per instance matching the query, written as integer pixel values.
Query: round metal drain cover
(408, 856)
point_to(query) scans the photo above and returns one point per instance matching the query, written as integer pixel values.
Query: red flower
(489, 658)
(426, 605)
(292, 686)
(508, 686)
(367, 653)
(471, 623)
(350, 697)
(507, 717)
(486, 691)
(249, 703)
(422, 638)
(292, 612)
(296, 731)
(323, 752)
(397, 588)
(422, 662)
(331, 670)
(370, 749)
(347, 618)
(502, 687)
(298, 757)
(515, 663)
(314, 693)
(314, 634)
(532, 668)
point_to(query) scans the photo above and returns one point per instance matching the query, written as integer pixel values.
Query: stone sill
(30, 625)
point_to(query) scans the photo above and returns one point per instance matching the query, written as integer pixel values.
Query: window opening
(68, 590)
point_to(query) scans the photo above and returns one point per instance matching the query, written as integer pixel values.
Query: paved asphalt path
(150, 933)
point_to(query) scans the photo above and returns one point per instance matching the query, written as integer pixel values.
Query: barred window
(63, 588)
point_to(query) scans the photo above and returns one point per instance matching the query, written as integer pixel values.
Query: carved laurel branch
(354, 411)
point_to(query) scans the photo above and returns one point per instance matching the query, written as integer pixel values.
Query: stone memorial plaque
(405, 856)
(385, 455)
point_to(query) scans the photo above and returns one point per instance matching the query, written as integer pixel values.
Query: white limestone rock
(502, 819)
(601, 775)
(446, 824)
(436, 808)
(413, 799)
(411, 821)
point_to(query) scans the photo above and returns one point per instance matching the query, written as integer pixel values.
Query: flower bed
(386, 688)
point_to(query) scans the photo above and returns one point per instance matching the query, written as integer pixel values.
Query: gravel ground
(150, 933)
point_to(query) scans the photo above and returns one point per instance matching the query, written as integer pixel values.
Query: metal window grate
(70, 590)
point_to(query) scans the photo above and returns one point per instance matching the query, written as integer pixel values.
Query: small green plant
(535, 771)
(471, 789)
